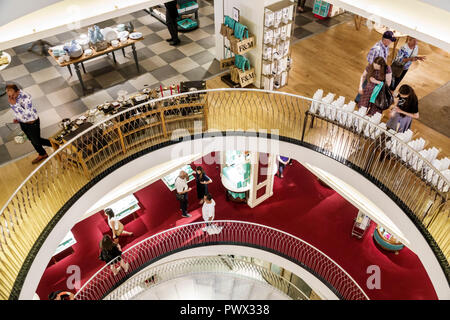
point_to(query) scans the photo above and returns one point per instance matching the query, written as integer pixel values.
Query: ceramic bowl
(115, 43)
(88, 52)
(121, 27)
(123, 34)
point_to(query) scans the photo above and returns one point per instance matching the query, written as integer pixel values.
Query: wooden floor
(332, 61)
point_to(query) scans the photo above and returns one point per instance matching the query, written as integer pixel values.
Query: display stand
(125, 207)
(387, 240)
(276, 54)
(169, 180)
(362, 222)
(64, 248)
(238, 47)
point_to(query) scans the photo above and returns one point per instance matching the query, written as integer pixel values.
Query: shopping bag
(242, 46)
(385, 98)
(246, 77)
(227, 62)
(223, 30)
(376, 91)
(212, 229)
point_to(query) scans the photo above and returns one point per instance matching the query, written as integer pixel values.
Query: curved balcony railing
(43, 198)
(238, 268)
(188, 236)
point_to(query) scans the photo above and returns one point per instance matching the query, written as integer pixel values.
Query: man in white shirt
(208, 209)
(182, 190)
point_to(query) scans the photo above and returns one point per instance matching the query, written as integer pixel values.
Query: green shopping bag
(376, 91)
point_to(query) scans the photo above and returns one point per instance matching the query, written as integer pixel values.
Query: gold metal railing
(40, 201)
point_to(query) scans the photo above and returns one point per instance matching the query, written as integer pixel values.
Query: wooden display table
(76, 62)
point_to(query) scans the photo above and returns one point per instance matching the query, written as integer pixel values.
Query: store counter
(386, 240)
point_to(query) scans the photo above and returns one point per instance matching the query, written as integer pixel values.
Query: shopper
(202, 184)
(381, 48)
(61, 295)
(301, 5)
(182, 190)
(112, 252)
(374, 74)
(171, 22)
(115, 225)
(26, 115)
(407, 54)
(406, 108)
(282, 163)
(208, 209)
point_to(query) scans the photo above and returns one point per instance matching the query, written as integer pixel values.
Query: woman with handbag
(405, 57)
(202, 184)
(374, 73)
(406, 108)
(112, 252)
(115, 225)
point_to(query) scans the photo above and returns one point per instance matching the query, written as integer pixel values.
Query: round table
(3, 85)
(382, 29)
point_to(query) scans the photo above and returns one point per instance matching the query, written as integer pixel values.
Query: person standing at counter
(202, 184)
(26, 115)
(182, 190)
(171, 22)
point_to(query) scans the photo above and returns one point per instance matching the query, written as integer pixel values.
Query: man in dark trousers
(171, 21)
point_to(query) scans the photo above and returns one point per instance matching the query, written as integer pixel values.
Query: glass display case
(236, 175)
(169, 180)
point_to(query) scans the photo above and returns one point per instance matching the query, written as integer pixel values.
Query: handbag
(384, 99)
(376, 91)
(397, 66)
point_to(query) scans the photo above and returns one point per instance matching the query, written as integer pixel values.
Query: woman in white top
(208, 209)
(115, 225)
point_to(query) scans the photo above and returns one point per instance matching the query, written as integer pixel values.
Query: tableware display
(121, 27)
(115, 43)
(66, 58)
(73, 49)
(88, 52)
(135, 35)
(123, 34)
(109, 34)
(61, 59)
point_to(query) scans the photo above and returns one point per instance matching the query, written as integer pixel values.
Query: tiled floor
(58, 95)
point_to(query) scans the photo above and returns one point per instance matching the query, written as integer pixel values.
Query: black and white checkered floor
(58, 95)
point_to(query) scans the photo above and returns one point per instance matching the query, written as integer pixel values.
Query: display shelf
(125, 207)
(276, 17)
(169, 180)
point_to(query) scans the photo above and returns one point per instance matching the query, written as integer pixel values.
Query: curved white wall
(206, 145)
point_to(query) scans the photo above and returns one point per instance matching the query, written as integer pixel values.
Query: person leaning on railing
(26, 115)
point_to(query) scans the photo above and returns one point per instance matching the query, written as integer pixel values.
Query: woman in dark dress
(375, 73)
(202, 184)
(111, 252)
(406, 108)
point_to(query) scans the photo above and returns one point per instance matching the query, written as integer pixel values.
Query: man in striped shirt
(381, 48)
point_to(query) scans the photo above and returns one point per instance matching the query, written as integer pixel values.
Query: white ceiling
(418, 18)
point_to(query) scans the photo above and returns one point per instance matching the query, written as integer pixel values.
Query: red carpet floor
(300, 206)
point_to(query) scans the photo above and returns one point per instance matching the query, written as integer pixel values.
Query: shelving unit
(276, 53)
